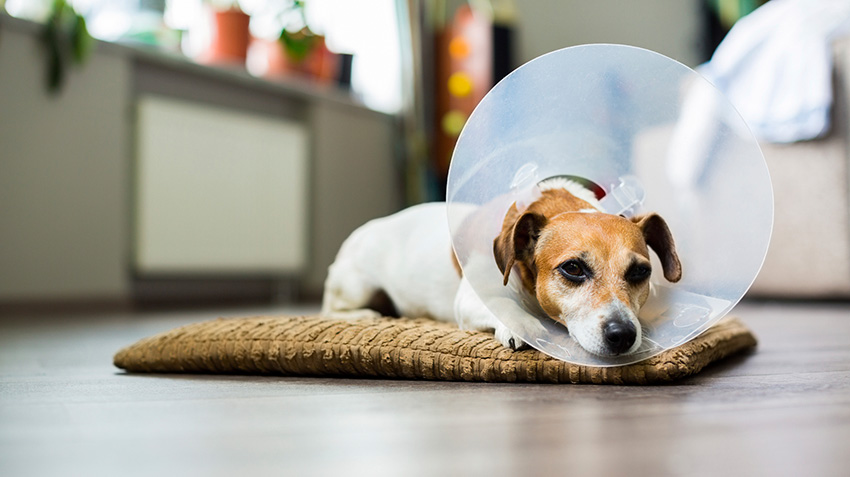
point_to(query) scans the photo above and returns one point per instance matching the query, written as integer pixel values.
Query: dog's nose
(619, 336)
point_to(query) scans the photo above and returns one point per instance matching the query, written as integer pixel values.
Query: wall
(355, 179)
(63, 176)
(670, 27)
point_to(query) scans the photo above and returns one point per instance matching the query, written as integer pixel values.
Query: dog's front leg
(472, 314)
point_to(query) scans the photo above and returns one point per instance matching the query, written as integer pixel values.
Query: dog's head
(588, 270)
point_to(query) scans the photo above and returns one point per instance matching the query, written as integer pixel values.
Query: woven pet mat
(398, 348)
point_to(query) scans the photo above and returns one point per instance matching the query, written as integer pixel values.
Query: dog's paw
(509, 339)
(359, 314)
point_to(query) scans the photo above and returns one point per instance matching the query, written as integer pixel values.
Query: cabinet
(129, 174)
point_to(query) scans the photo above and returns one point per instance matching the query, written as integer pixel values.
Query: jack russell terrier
(588, 270)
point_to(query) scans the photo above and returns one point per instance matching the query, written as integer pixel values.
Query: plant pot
(320, 64)
(230, 37)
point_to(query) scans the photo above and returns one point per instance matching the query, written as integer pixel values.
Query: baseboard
(156, 292)
(65, 305)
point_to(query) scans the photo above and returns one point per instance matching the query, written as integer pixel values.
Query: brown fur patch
(551, 203)
(658, 236)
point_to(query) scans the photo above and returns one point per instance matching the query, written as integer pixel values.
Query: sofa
(809, 254)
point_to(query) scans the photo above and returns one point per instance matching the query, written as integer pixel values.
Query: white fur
(585, 323)
(472, 314)
(573, 188)
(408, 255)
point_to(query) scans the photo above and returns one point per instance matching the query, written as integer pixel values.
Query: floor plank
(65, 410)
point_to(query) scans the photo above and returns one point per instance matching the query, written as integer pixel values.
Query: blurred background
(162, 152)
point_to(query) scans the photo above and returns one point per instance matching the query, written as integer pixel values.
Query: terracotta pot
(320, 65)
(230, 36)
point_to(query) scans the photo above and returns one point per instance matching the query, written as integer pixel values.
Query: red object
(320, 65)
(230, 36)
(465, 46)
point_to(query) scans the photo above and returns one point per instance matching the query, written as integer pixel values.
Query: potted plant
(306, 51)
(230, 33)
(66, 40)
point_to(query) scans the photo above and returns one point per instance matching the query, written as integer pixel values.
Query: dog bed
(399, 348)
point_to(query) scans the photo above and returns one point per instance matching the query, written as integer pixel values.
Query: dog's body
(407, 255)
(588, 270)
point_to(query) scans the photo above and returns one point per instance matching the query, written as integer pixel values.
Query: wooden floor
(65, 410)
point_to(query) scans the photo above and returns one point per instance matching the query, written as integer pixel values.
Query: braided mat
(398, 348)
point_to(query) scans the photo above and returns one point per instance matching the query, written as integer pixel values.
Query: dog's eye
(573, 270)
(638, 273)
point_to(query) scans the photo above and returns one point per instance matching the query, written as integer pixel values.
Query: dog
(587, 269)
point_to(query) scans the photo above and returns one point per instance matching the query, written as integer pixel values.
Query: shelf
(294, 87)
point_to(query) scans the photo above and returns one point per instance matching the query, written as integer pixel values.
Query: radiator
(218, 191)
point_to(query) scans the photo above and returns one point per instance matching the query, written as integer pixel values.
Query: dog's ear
(657, 235)
(517, 241)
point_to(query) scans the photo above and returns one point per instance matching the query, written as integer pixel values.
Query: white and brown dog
(587, 269)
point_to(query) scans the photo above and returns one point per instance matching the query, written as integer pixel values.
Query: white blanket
(775, 66)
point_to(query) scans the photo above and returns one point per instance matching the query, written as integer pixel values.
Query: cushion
(400, 348)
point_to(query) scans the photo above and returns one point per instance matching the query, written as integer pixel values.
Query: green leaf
(55, 67)
(81, 40)
(299, 44)
(66, 39)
